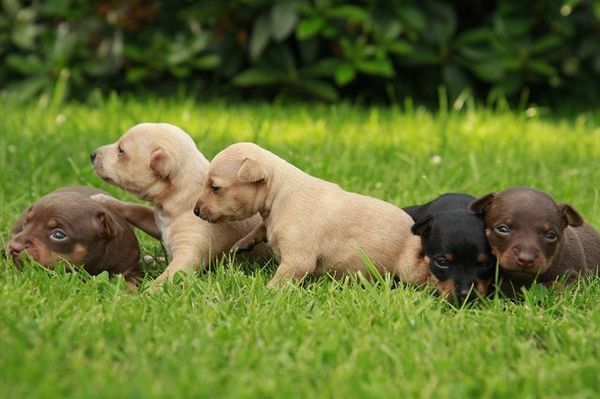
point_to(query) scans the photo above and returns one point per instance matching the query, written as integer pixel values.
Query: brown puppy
(534, 238)
(159, 162)
(313, 226)
(68, 225)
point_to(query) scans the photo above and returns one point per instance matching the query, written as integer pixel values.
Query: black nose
(93, 156)
(197, 211)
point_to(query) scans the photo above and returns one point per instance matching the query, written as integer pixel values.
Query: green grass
(224, 334)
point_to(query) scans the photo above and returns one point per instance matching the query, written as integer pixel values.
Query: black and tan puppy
(534, 238)
(67, 224)
(453, 239)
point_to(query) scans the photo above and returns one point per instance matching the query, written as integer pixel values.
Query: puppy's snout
(93, 156)
(526, 258)
(465, 293)
(16, 247)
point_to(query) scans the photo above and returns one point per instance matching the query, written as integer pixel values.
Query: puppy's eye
(441, 262)
(120, 150)
(551, 236)
(215, 189)
(502, 229)
(58, 235)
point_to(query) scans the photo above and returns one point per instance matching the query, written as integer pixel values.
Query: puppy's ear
(252, 171)
(479, 206)
(108, 227)
(162, 164)
(422, 227)
(570, 215)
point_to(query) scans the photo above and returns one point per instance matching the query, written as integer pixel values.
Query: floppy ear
(570, 215)
(422, 227)
(108, 227)
(162, 164)
(479, 206)
(252, 171)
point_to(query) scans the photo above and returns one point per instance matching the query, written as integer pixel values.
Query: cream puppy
(160, 163)
(311, 225)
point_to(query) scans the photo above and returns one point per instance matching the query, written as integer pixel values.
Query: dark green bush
(381, 50)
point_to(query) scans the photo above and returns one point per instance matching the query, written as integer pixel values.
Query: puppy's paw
(243, 246)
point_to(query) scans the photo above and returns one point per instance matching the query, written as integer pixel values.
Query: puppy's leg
(141, 216)
(292, 268)
(256, 236)
(178, 264)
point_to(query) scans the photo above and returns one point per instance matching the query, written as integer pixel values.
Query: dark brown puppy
(534, 238)
(68, 225)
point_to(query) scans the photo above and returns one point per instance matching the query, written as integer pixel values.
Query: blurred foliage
(325, 49)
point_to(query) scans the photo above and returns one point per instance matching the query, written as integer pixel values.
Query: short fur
(160, 163)
(534, 238)
(97, 238)
(313, 226)
(454, 241)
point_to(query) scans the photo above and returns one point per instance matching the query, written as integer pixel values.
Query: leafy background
(540, 50)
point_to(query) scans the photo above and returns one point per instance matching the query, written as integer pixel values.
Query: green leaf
(208, 61)
(541, 67)
(475, 36)
(400, 47)
(27, 65)
(382, 67)
(320, 89)
(326, 67)
(309, 27)
(412, 17)
(546, 44)
(350, 13)
(489, 71)
(344, 74)
(259, 76)
(261, 34)
(283, 20)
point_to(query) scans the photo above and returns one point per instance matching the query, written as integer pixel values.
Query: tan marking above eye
(52, 224)
(449, 257)
(481, 258)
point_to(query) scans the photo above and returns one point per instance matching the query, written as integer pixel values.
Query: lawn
(224, 334)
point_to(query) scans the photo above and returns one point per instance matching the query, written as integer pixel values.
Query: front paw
(243, 246)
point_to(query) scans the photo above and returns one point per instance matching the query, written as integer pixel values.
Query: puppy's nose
(465, 294)
(197, 211)
(526, 258)
(15, 247)
(93, 156)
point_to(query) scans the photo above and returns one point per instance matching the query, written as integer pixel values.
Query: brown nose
(16, 247)
(526, 259)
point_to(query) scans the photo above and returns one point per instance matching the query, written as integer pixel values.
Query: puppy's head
(146, 159)
(525, 228)
(236, 184)
(459, 255)
(63, 226)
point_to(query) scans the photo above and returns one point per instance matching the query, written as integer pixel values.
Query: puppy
(454, 242)
(311, 225)
(160, 163)
(68, 225)
(536, 239)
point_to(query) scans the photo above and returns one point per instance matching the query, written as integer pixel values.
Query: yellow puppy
(160, 163)
(312, 226)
